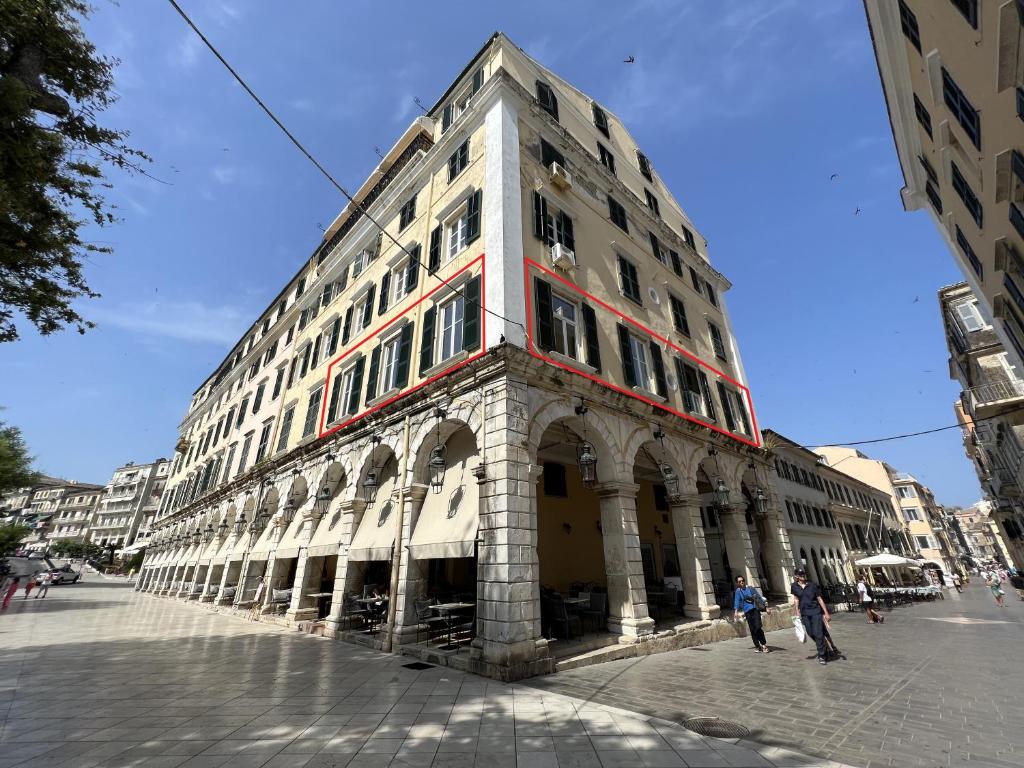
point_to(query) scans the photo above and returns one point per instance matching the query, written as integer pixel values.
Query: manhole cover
(715, 727)
(418, 665)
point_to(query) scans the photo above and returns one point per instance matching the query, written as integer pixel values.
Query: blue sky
(745, 108)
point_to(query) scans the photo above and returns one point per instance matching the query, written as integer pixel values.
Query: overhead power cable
(811, 446)
(319, 166)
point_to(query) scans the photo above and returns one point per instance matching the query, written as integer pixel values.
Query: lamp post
(586, 456)
(371, 483)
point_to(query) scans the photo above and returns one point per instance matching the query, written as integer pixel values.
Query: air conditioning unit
(562, 257)
(560, 177)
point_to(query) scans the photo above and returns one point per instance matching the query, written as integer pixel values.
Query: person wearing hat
(810, 606)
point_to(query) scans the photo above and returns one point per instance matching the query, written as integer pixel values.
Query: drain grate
(715, 727)
(417, 665)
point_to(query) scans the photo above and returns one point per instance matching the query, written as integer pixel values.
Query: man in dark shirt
(807, 600)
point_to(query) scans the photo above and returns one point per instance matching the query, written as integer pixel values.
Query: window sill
(572, 362)
(644, 392)
(383, 397)
(458, 357)
(638, 304)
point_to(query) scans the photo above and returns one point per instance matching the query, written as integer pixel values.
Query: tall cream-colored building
(953, 78)
(129, 505)
(523, 382)
(990, 410)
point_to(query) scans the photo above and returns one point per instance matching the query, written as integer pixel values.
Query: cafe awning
(376, 533)
(448, 520)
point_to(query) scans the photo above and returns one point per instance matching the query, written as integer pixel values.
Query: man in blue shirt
(807, 600)
(749, 601)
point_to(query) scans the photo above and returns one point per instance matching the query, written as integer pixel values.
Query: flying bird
(916, 299)
(856, 211)
(629, 60)
(833, 177)
(225, 149)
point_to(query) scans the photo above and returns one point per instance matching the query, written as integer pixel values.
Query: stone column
(694, 563)
(627, 593)
(348, 510)
(778, 552)
(225, 572)
(204, 597)
(737, 543)
(271, 577)
(298, 610)
(412, 577)
(508, 644)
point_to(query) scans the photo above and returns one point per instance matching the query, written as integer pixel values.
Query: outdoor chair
(426, 619)
(559, 618)
(280, 599)
(597, 612)
(466, 625)
(353, 611)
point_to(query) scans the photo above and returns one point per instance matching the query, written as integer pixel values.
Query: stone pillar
(177, 576)
(348, 511)
(412, 576)
(737, 543)
(204, 597)
(694, 563)
(298, 610)
(508, 644)
(627, 593)
(220, 599)
(271, 579)
(778, 552)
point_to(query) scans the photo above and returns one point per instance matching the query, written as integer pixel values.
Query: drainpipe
(396, 559)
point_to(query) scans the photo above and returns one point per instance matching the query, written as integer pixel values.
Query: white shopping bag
(798, 627)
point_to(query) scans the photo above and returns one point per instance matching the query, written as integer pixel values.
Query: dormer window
(461, 102)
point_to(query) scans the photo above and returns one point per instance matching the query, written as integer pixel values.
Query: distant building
(50, 505)
(953, 78)
(129, 504)
(74, 513)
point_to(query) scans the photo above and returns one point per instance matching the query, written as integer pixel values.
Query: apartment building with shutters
(952, 73)
(990, 409)
(128, 505)
(514, 313)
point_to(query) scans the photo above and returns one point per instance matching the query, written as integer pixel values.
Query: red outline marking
(529, 335)
(435, 377)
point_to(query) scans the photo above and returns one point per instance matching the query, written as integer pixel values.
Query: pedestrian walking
(867, 599)
(750, 602)
(11, 589)
(1018, 584)
(958, 583)
(997, 590)
(29, 586)
(45, 580)
(810, 606)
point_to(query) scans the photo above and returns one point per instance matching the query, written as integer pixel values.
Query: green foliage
(52, 152)
(15, 463)
(11, 536)
(66, 548)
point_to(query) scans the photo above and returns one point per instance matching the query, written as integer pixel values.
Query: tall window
(961, 108)
(566, 334)
(607, 158)
(716, 341)
(546, 99)
(450, 331)
(969, 9)
(906, 492)
(601, 121)
(970, 200)
(911, 514)
(245, 453)
(348, 387)
(457, 232)
(390, 365)
(908, 22)
(286, 427)
(408, 212)
(679, 315)
(644, 165)
(652, 203)
(638, 353)
(617, 214)
(458, 161)
(969, 254)
(312, 411)
(264, 443)
(628, 278)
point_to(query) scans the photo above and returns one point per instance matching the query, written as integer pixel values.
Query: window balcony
(998, 397)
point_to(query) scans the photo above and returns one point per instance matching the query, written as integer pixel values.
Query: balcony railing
(996, 393)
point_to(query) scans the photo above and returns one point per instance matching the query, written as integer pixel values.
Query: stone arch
(610, 465)
(426, 440)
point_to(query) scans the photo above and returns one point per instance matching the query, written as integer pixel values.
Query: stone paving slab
(98, 675)
(938, 684)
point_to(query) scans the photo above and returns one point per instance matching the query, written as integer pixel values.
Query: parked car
(65, 575)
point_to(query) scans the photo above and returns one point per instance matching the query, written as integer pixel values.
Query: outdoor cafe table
(447, 611)
(319, 599)
(375, 606)
(576, 601)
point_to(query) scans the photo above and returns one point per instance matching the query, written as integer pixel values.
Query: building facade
(953, 78)
(524, 379)
(73, 516)
(129, 504)
(990, 410)
(51, 508)
(924, 520)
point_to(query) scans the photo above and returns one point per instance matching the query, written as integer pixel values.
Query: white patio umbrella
(886, 558)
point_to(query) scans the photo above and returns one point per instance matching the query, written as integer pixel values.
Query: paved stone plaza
(98, 675)
(938, 684)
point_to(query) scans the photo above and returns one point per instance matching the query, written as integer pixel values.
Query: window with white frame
(348, 380)
(564, 314)
(360, 263)
(400, 281)
(359, 314)
(911, 514)
(450, 327)
(389, 364)
(906, 492)
(457, 232)
(970, 316)
(638, 353)
(925, 542)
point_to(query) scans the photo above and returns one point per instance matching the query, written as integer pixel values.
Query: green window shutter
(590, 331)
(471, 315)
(660, 382)
(545, 316)
(628, 371)
(385, 287)
(478, 79)
(677, 263)
(427, 341)
(434, 257)
(473, 216)
(335, 333)
(740, 408)
(332, 406)
(404, 354)
(368, 309)
(565, 232)
(346, 331)
(357, 385)
(679, 315)
(446, 118)
(412, 275)
(540, 215)
(705, 391)
(371, 380)
(723, 397)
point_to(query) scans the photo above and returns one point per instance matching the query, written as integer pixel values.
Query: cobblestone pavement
(98, 675)
(937, 684)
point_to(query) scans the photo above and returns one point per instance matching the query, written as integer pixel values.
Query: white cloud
(186, 53)
(189, 321)
(301, 105)
(404, 108)
(224, 174)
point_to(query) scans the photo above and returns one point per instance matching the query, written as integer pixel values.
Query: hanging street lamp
(371, 484)
(668, 473)
(288, 513)
(222, 529)
(721, 494)
(760, 501)
(208, 533)
(586, 456)
(197, 536)
(240, 524)
(438, 461)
